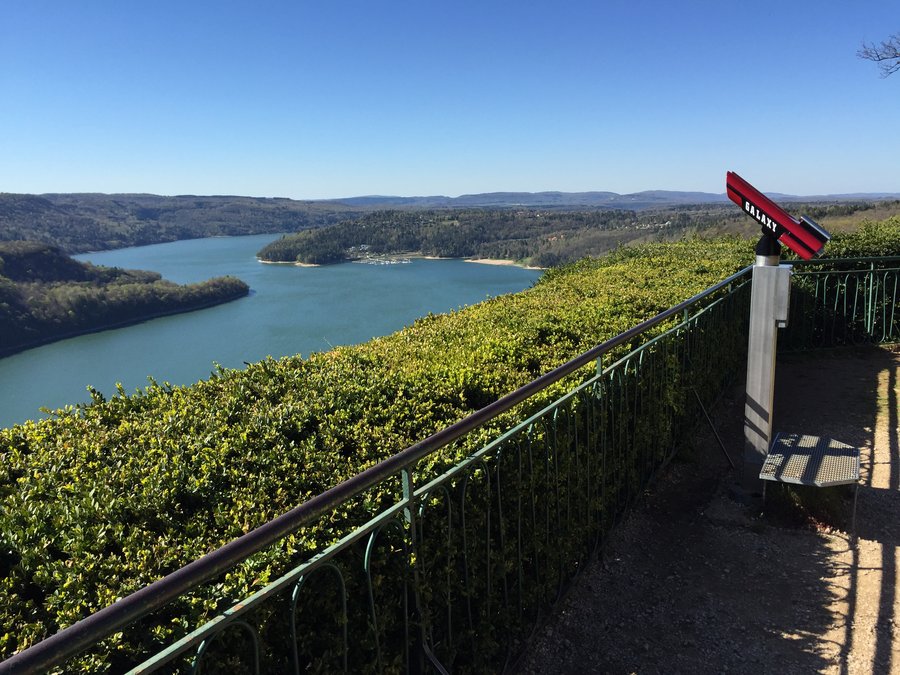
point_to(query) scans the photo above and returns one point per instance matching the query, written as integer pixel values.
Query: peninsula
(46, 296)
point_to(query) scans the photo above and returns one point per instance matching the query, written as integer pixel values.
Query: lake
(290, 310)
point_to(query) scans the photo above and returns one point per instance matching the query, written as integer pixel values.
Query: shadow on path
(695, 582)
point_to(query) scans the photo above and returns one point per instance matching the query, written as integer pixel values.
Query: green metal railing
(844, 303)
(457, 570)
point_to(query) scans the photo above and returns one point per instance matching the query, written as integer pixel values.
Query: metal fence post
(417, 656)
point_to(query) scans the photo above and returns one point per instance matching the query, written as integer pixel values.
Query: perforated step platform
(810, 460)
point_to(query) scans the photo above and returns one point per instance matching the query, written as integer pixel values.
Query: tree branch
(886, 54)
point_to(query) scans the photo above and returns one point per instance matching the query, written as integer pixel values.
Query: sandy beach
(480, 261)
(498, 261)
(286, 262)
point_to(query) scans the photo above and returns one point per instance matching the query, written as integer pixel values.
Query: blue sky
(319, 99)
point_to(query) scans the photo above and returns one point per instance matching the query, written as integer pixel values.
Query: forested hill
(93, 222)
(45, 295)
(541, 237)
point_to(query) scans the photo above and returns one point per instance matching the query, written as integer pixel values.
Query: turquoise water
(290, 310)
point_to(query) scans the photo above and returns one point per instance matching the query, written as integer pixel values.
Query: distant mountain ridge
(635, 201)
(550, 199)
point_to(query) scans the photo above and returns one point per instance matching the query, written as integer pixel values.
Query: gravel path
(696, 582)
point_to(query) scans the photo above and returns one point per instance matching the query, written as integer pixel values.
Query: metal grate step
(810, 460)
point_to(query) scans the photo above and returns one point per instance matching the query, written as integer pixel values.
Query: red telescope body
(804, 237)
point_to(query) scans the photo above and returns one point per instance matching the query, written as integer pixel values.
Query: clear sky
(332, 98)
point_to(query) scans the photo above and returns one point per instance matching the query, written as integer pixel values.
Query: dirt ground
(695, 581)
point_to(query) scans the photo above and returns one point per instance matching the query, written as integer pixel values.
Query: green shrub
(872, 239)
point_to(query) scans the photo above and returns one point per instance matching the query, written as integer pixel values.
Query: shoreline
(415, 256)
(286, 262)
(501, 261)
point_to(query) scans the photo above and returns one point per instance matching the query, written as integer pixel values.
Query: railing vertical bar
(407, 477)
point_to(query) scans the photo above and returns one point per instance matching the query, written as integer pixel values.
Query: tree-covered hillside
(45, 295)
(539, 237)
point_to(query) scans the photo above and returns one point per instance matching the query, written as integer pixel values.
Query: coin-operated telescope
(769, 305)
(804, 237)
(802, 459)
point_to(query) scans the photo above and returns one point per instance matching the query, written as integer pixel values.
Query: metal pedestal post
(768, 312)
